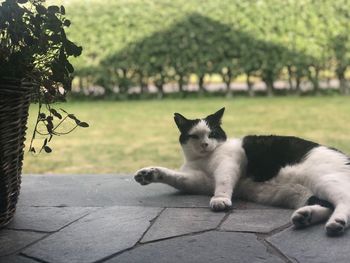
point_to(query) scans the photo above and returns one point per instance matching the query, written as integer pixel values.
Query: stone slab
(96, 236)
(311, 245)
(213, 247)
(108, 190)
(100, 191)
(256, 220)
(242, 205)
(12, 241)
(16, 259)
(46, 219)
(179, 221)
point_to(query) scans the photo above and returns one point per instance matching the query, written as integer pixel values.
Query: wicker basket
(14, 104)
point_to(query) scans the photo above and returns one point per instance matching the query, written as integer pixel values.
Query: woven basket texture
(14, 104)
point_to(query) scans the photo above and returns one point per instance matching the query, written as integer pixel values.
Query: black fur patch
(216, 132)
(314, 200)
(184, 125)
(266, 155)
(214, 123)
(184, 137)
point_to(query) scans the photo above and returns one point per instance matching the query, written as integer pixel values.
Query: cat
(273, 170)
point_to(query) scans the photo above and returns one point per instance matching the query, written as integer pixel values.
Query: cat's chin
(204, 152)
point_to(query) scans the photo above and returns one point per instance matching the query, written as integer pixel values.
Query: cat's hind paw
(146, 176)
(220, 203)
(336, 227)
(302, 217)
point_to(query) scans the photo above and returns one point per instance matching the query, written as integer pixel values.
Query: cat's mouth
(204, 151)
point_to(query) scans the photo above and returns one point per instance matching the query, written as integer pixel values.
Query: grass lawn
(125, 136)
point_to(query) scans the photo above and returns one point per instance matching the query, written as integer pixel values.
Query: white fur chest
(228, 153)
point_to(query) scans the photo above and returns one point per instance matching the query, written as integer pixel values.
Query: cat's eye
(193, 136)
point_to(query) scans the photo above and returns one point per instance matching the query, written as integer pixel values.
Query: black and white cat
(274, 170)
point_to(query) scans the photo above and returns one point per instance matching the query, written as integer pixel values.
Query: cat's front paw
(220, 203)
(147, 175)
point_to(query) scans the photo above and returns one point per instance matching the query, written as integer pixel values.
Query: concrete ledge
(110, 218)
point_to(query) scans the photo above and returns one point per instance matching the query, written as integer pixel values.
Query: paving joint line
(28, 230)
(137, 243)
(46, 236)
(33, 258)
(227, 214)
(152, 222)
(274, 250)
(150, 242)
(261, 237)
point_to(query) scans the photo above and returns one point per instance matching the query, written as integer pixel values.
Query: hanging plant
(34, 48)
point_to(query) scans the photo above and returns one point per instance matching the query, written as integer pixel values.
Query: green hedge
(134, 42)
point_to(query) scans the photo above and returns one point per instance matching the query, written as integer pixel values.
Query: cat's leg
(311, 210)
(191, 182)
(335, 189)
(310, 215)
(271, 193)
(339, 195)
(314, 212)
(226, 178)
(339, 220)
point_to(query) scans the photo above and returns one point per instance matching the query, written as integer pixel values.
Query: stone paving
(110, 218)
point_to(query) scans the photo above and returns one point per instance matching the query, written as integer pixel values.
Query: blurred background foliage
(136, 43)
(138, 49)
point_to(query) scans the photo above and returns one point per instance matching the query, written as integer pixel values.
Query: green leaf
(70, 68)
(83, 124)
(47, 149)
(55, 113)
(72, 49)
(63, 10)
(53, 9)
(41, 9)
(72, 116)
(67, 23)
(49, 127)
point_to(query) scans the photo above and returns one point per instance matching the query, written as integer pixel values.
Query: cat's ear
(180, 121)
(217, 116)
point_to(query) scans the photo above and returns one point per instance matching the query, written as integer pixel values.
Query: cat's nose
(204, 145)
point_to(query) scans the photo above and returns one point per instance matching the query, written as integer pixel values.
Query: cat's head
(199, 137)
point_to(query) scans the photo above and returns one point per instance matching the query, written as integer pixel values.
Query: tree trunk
(251, 92)
(227, 78)
(160, 87)
(201, 84)
(142, 83)
(144, 87)
(123, 84)
(268, 77)
(314, 78)
(290, 78)
(316, 82)
(269, 88)
(297, 85)
(342, 81)
(180, 83)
